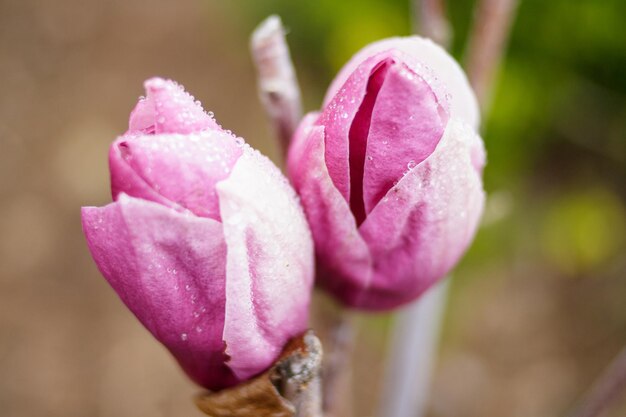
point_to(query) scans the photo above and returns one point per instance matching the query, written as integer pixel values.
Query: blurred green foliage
(555, 132)
(578, 230)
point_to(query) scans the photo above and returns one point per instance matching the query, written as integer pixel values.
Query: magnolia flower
(389, 173)
(205, 243)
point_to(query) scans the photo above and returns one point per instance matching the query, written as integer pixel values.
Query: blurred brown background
(538, 306)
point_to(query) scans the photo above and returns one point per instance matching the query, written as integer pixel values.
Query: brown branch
(278, 87)
(430, 19)
(291, 388)
(487, 43)
(607, 389)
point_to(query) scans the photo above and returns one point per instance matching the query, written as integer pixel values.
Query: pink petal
(167, 108)
(407, 123)
(124, 179)
(358, 137)
(349, 116)
(269, 263)
(420, 229)
(337, 118)
(169, 270)
(179, 171)
(344, 264)
(420, 53)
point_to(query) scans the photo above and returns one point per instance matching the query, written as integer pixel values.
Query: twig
(487, 43)
(607, 389)
(412, 355)
(430, 17)
(291, 388)
(336, 369)
(298, 378)
(277, 83)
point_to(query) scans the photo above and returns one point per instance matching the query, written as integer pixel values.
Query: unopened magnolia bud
(389, 173)
(205, 242)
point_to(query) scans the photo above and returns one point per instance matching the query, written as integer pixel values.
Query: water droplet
(411, 164)
(183, 336)
(370, 157)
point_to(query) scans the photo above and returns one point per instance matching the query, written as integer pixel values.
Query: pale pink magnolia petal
(269, 265)
(418, 52)
(407, 122)
(343, 263)
(169, 269)
(179, 171)
(168, 108)
(420, 229)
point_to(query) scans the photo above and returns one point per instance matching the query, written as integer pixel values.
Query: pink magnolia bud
(389, 173)
(205, 243)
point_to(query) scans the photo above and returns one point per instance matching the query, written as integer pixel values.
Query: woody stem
(412, 355)
(336, 370)
(291, 388)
